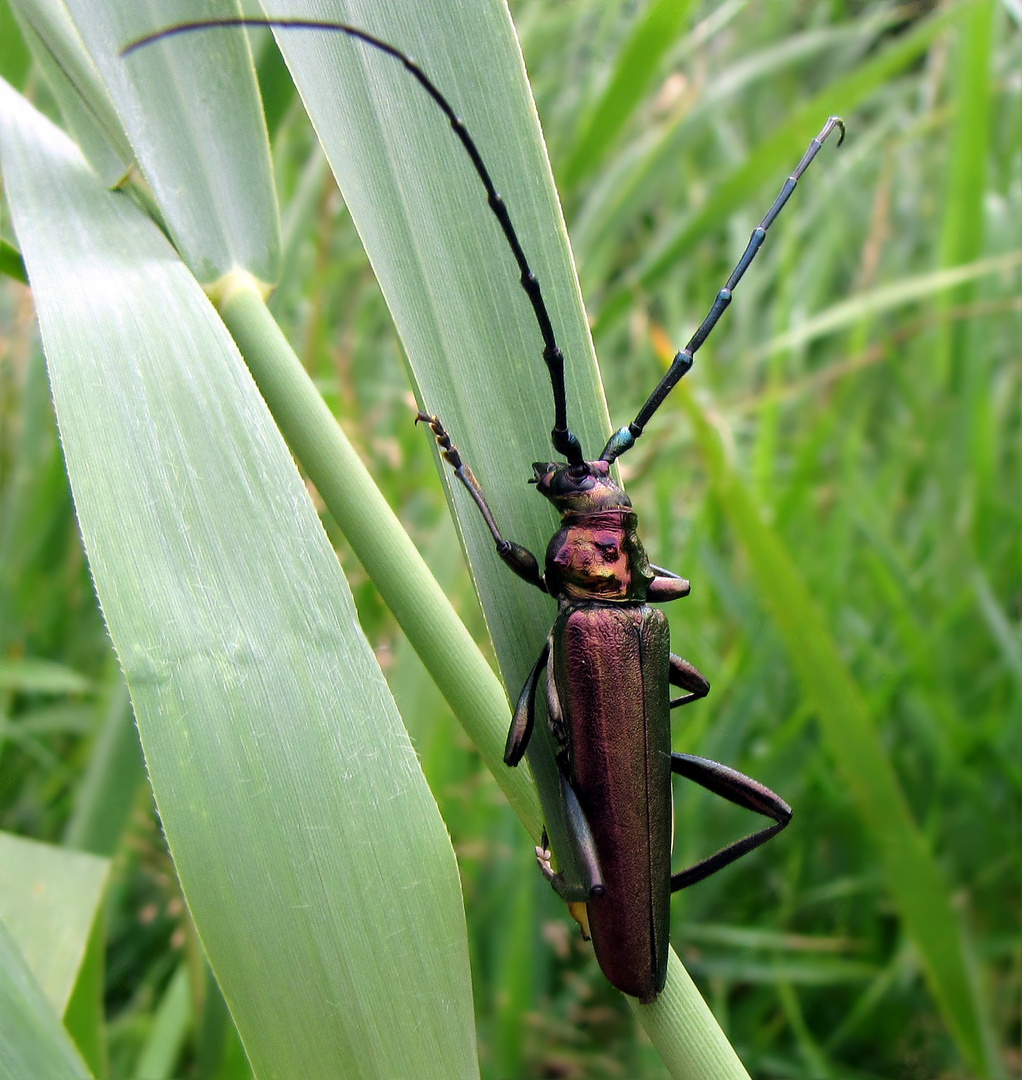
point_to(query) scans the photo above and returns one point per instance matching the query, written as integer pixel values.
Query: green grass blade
(908, 290)
(634, 70)
(112, 778)
(49, 901)
(314, 861)
(32, 1042)
(76, 84)
(84, 1016)
(417, 601)
(448, 276)
(170, 1026)
(11, 263)
(916, 882)
(41, 677)
(774, 154)
(15, 59)
(191, 109)
(966, 185)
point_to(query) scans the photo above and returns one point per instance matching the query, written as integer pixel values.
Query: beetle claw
(543, 857)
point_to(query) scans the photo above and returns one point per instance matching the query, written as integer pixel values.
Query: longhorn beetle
(607, 658)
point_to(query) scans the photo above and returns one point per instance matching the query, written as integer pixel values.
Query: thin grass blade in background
(913, 876)
(634, 70)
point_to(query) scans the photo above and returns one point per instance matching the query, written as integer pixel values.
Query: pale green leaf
(49, 900)
(32, 1042)
(316, 867)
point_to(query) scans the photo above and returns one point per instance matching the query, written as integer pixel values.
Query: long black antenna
(564, 440)
(624, 439)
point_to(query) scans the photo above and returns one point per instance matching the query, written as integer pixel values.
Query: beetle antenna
(624, 439)
(564, 440)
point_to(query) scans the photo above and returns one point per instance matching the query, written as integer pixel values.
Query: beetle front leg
(518, 558)
(688, 677)
(739, 789)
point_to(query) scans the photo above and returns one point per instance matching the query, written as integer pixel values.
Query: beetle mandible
(607, 657)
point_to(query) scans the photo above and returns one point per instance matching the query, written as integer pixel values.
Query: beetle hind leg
(583, 851)
(739, 789)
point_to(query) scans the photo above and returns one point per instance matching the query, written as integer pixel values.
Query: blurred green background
(869, 388)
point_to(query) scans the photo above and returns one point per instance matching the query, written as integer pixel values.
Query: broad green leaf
(49, 900)
(32, 1042)
(316, 867)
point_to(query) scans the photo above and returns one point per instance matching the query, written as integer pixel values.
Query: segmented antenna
(564, 440)
(624, 439)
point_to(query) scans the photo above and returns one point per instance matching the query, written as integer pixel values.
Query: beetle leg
(525, 713)
(689, 678)
(518, 558)
(666, 585)
(739, 789)
(579, 833)
(581, 839)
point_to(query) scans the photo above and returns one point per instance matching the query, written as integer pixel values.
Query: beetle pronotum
(607, 658)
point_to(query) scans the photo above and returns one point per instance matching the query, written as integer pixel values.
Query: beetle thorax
(598, 557)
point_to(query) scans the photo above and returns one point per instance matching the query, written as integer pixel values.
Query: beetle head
(579, 489)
